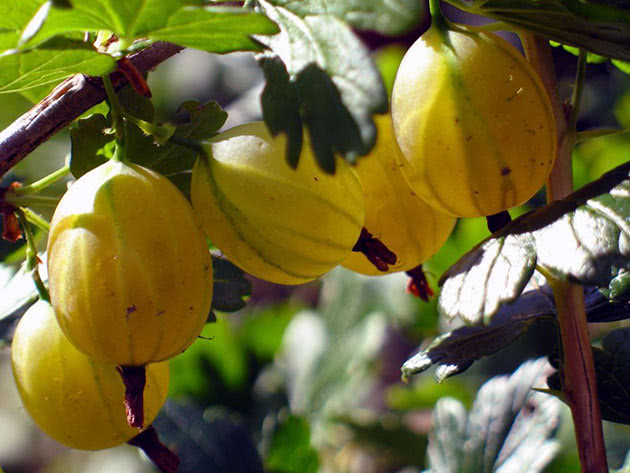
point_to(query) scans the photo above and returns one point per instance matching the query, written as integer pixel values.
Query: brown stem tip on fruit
(375, 250)
(497, 221)
(418, 284)
(149, 442)
(135, 379)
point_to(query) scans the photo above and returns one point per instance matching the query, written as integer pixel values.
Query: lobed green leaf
(593, 58)
(91, 143)
(455, 351)
(599, 27)
(216, 30)
(387, 17)
(612, 369)
(231, 288)
(19, 294)
(207, 439)
(16, 17)
(625, 468)
(581, 239)
(49, 64)
(331, 86)
(509, 428)
(38, 41)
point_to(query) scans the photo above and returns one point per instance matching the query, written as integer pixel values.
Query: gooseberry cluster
(471, 133)
(130, 281)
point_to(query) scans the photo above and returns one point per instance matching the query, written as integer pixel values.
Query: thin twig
(66, 102)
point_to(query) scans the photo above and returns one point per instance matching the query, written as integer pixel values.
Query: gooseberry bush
(243, 285)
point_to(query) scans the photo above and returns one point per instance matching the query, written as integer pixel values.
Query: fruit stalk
(134, 378)
(580, 382)
(43, 183)
(117, 115)
(160, 455)
(374, 250)
(32, 261)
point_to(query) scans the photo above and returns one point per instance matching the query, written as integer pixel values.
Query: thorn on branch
(134, 77)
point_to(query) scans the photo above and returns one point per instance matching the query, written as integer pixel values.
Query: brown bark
(69, 100)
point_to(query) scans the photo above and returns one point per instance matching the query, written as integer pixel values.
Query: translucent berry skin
(130, 273)
(394, 214)
(74, 399)
(473, 121)
(279, 224)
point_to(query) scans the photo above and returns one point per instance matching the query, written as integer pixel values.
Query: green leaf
(18, 294)
(15, 18)
(51, 63)
(581, 239)
(391, 439)
(388, 17)
(626, 465)
(214, 29)
(333, 86)
(175, 161)
(619, 287)
(612, 368)
(456, 351)
(281, 107)
(231, 288)
(89, 144)
(210, 440)
(128, 19)
(623, 66)
(599, 27)
(593, 58)
(509, 428)
(290, 450)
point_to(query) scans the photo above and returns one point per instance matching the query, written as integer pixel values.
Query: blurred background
(306, 379)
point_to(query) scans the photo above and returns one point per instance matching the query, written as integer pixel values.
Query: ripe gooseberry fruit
(409, 227)
(129, 269)
(74, 399)
(473, 121)
(279, 224)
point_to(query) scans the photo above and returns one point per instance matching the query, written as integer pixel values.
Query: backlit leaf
(581, 239)
(50, 64)
(510, 428)
(600, 27)
(333, 86)
(392, 17)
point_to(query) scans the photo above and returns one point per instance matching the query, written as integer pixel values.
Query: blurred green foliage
(290, 450)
